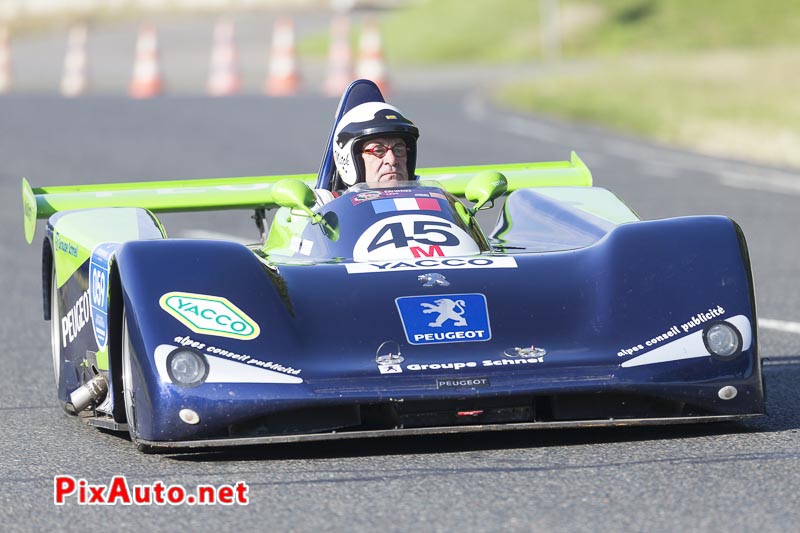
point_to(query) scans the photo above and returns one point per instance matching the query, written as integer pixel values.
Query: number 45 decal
(395, 234)
(408, 236)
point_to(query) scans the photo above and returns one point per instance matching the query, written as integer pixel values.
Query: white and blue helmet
(366, 121)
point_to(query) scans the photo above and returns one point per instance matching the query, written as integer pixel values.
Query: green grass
(432, 31)
(437, 31)
(659, 25)
(728, 103)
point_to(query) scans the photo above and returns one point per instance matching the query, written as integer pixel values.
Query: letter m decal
(433, 251)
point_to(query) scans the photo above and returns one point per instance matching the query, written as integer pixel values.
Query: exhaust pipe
(93, 391)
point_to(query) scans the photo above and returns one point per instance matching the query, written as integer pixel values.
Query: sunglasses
(380, 150)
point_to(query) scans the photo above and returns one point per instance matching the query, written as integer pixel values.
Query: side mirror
(294, 194)
(485, 187)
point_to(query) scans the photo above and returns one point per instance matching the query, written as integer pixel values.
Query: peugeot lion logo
(448, 310)
(433, 279)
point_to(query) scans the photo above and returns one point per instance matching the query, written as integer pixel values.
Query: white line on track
(767, 181)
(779, 325)
(661, 170)
(534, 130)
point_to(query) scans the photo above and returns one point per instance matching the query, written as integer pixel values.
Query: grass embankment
(720, 76)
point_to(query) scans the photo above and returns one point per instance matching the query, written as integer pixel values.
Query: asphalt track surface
(712, 478)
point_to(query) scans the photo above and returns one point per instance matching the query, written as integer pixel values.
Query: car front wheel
(128, 389)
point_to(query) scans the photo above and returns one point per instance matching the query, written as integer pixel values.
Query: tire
(55, 326)
(128, 390)
(55, 338)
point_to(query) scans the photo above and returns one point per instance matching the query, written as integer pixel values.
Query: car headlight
(187, 367)
(723, 340)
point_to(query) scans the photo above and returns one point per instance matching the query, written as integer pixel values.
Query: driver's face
(387, 169)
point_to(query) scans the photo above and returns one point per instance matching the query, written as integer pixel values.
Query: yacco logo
(211, 315)
(431, 263)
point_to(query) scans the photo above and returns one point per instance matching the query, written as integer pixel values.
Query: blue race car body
(389, 311)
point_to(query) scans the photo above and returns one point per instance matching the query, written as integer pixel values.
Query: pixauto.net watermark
(119, 492)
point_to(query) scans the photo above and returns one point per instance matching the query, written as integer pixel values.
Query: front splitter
(439, 430)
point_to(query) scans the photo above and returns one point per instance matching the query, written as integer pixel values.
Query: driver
(374, 143)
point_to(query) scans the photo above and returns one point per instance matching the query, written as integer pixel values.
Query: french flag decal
(406, 204)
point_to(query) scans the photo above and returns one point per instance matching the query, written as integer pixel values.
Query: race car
(389, 311)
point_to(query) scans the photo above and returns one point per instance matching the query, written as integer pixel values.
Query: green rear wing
(256, 192)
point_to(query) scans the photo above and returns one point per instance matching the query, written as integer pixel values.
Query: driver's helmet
(364, 122)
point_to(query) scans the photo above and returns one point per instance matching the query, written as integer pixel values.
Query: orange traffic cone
(146, 81)
(340, 68)
(5, 61)
(282, 79)
(224, 78)
(370, 60)
(74, 79)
